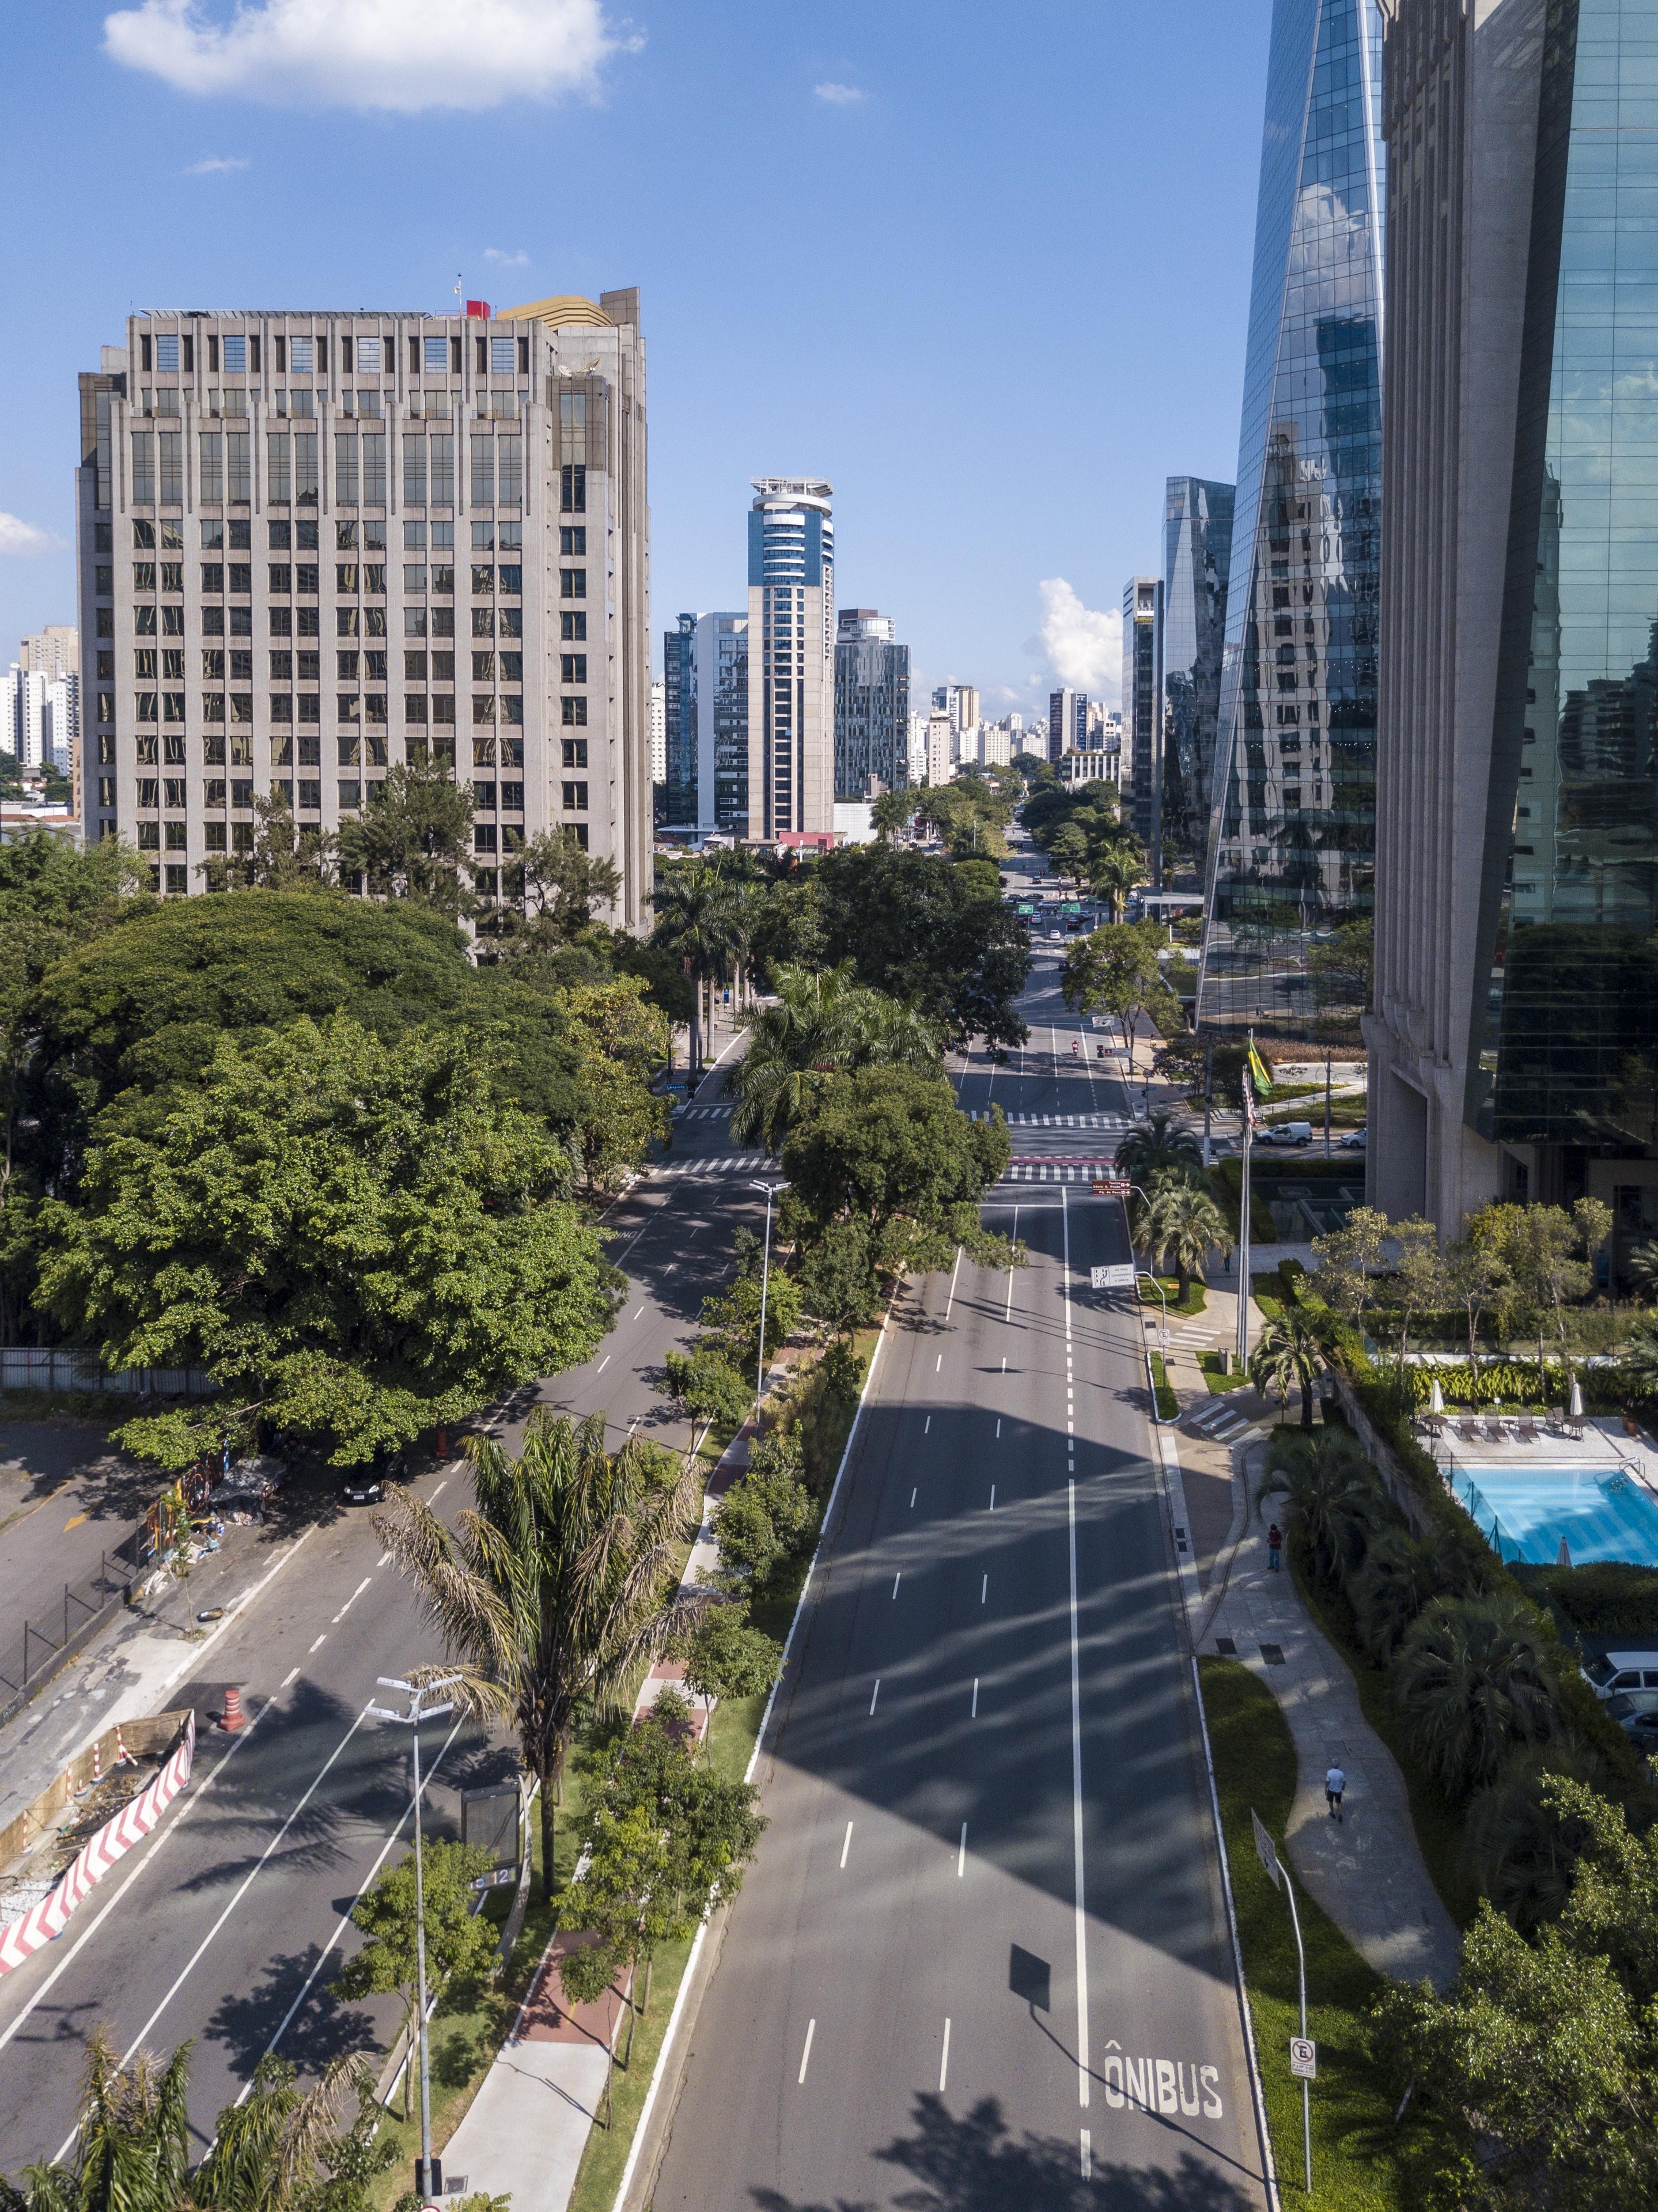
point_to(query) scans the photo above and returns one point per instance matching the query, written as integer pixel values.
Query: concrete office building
(940, 747)
(1143, 713)
(1197, 556)
(1067, 723)
(706, 712)
(52, 651)
(871, 705)
(1291, 833)
(1514, 1045)
(658, 735)
(791, 775)
(315, 543)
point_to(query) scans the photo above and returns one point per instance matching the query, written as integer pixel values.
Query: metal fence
(25, 1367)
(47, 1645)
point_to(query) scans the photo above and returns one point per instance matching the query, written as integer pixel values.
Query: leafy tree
(564, 883)
(413, 840)
(821, 1023)
(1548, 1253)
(461, 1944)
(1067, 852)
(353, 1238)
(707, 1387)
(1162, 1145)
(1472, 1682)
(892, 814)
(1477, 1277)
(1331, 1499)
(731, 1316)
(1639, 1364)
(728, 1657)
(1188, 1061)
(1114, 873)
(1340, 971)
(1399, 1576)
(838, 1280)
(1421, 1281)
(553, 1588)
(1352, 1259)
(1521, 1846)
(1180, 1225)
(1289, 1357)
(915, 927)
(889, 1145)
(692, 903)
(1115, 968)
(618, 1040)
(283, 856)
(765, 1523)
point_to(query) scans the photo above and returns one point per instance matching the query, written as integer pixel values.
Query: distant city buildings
(961, 702)
(871, 705)
(1197, 555)
(315, 544)
(791, 692)
(1067, 723)
(1142, 713)
(940, 747)
(705, 662)
(40, 713)
(1292, 825)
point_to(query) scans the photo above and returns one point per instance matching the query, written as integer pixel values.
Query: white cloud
(504, 260)
(1083, 645)
(840, 96)
(401, 55)
(17, 536)
(217, 165)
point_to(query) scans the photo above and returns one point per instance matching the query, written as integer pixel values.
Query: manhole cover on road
(1272, 1654)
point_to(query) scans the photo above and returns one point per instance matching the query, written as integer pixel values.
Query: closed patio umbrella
(1436, 1398)
(1576, 1408)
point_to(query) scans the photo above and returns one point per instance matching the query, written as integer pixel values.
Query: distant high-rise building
(1197, 555)
(658, 735)
(996, 744)
(791, 702)
(916, 752)
(961, 702)
(316, 544)
(678, 800)
(871, 705)
(54, 651)
(707, 699)
(1291, 839)
(40, 714)
(1514, 1040)
(941, 746)
(1143, 713)
(1067, 723)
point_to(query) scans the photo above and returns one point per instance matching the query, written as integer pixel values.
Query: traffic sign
(1112, 1278)
(1111, 1187)
(1303, 2058)
(1266, 1853)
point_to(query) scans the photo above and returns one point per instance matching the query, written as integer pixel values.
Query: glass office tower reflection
(1292, 832)
(1197, 559)
(1570, 1063)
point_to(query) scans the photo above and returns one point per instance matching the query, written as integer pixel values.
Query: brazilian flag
(1258, 1074)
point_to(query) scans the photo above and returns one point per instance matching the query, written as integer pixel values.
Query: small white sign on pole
(1266, 1853)
(1112, 1278)
(1303, 2058)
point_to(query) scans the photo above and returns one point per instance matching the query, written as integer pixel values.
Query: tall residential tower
(791, 779)
(871, 705)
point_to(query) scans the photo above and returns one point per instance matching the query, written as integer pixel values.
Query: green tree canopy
(917, 927)
(413, 840)
(353, 1236)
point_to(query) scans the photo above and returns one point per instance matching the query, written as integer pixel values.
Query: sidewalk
(1366, 1871)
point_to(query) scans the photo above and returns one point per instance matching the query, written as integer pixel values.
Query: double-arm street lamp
(419, 1710)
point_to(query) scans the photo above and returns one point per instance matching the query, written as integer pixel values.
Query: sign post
(1303, 2052)
(1112, 1278)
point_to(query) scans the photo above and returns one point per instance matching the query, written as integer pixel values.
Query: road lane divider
(943, 2061)
(805, 2056)
(846, 1846)
(873, 1694)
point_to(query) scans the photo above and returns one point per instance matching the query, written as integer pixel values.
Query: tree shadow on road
(323, 2030)
(976, 2163)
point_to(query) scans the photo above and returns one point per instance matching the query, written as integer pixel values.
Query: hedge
(1605, 1598)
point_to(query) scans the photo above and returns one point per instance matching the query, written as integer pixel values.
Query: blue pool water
(1524, 1511)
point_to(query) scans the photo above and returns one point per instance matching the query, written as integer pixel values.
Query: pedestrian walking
(1334, 1783)
(1274, 1546)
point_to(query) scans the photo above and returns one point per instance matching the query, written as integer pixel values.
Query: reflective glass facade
(1291, 833)
(677, 802)
(1197, 556)
(1569, 1056)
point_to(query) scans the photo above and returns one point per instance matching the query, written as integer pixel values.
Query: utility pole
(425, 2182)
(1247, 1133)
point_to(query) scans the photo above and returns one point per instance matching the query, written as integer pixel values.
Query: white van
(1287, 1132)
(1631, 1675)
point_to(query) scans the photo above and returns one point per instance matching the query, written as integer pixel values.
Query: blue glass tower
(1197, 559)
(1292, 832)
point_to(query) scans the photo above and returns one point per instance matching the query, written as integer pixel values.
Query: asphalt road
(982, 1951)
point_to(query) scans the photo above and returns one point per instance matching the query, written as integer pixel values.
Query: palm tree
(693, 910)
(892, 814)
(1642, 1266)
(1399, 1576)
(1640, 1361)
(555, 1588)
(1289, 1357)
(744, 919)
(823, 1023)
(1157, 1143)
(1115, 873)
(1523, 1845)
(132, 2143)
(1473, 1684)
(1330, 1495)
(1180, 1225)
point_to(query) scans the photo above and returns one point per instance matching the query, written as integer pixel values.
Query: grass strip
(1168, 1403)
(1362, 2162)
(1195, 1300)
(1210, 1367)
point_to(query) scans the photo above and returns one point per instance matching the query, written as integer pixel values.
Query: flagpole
(1243, 1212)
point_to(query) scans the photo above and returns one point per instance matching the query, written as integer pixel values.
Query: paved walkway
(1366, 1871)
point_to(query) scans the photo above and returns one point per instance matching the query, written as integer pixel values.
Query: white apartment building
(313, 544)
(658, 732)
(940, 747)
(41, 715)
(791, 702)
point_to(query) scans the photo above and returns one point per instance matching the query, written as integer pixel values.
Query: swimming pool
(1525, 1511)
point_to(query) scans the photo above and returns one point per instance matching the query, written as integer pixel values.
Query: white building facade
(791, 637)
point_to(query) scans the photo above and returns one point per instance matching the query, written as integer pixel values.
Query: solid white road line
(352, 1600)
(984, 1589)
(812, 2030)
(895, 1581)
(382, 1560)
(927, 1424)
(603, 1363)
(943, 2061)
(975, 1709)
(638, 1310)
(1008, 1314)
(954, 1272)
(999, 1430)
(875, 1693)
(938, 1363)
(1077, 1815)
(845, 1844)
(439, 1492)
(960, 1854)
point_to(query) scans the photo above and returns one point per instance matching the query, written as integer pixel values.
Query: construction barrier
(113, 1841)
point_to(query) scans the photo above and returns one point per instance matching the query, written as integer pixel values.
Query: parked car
(1353, 1142)
(366, 1485)
(1631, 1675)
(1638, 1722)
(1287, 1132)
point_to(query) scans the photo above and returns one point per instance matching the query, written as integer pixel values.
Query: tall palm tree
(1331, 1496)
(1115, 873)
(824, 1023)
(132, 2143)
(1289, 1357)
(693, 923)
(1473, 1684)
(556, 1586)
(1160, 1142)
(1180, 1225)
(892, 814)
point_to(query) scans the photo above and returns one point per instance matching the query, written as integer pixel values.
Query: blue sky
(986, 268)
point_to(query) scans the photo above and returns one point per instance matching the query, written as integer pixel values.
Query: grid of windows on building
(871, 706)
(791, 702)
(1197, 554)
(305, 541)
(1292, 829)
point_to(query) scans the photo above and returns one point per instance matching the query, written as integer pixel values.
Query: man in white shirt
(1334, 1783)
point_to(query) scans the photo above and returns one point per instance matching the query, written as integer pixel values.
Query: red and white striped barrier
(112, 1841)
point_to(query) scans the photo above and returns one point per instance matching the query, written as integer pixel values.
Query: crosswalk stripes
(725, 1164)
(703, 1113)
(1057, 1120)
(1056, 1171)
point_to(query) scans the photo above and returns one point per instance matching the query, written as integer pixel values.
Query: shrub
(843, 1366)
(766, 1520)
(1472, 1683)
(1608, 1598)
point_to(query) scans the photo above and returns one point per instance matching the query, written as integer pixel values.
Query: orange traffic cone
(233, 1716)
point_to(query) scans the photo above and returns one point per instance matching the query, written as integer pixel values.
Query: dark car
(366, 1485)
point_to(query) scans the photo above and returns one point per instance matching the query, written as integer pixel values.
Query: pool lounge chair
(1495, 1431)
(1526, 1429)
(1468, 1431)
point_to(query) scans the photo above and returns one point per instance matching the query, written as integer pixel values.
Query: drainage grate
(1272, 1654)
(1226, 1647)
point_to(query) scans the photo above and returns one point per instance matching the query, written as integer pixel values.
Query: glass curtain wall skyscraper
(1197, 558)
(871, 705)
(1291, 840)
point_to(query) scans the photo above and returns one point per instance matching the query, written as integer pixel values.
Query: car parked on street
(366, 1485)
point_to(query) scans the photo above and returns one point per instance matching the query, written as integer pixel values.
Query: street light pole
(770, 1189)
(419, 1710)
